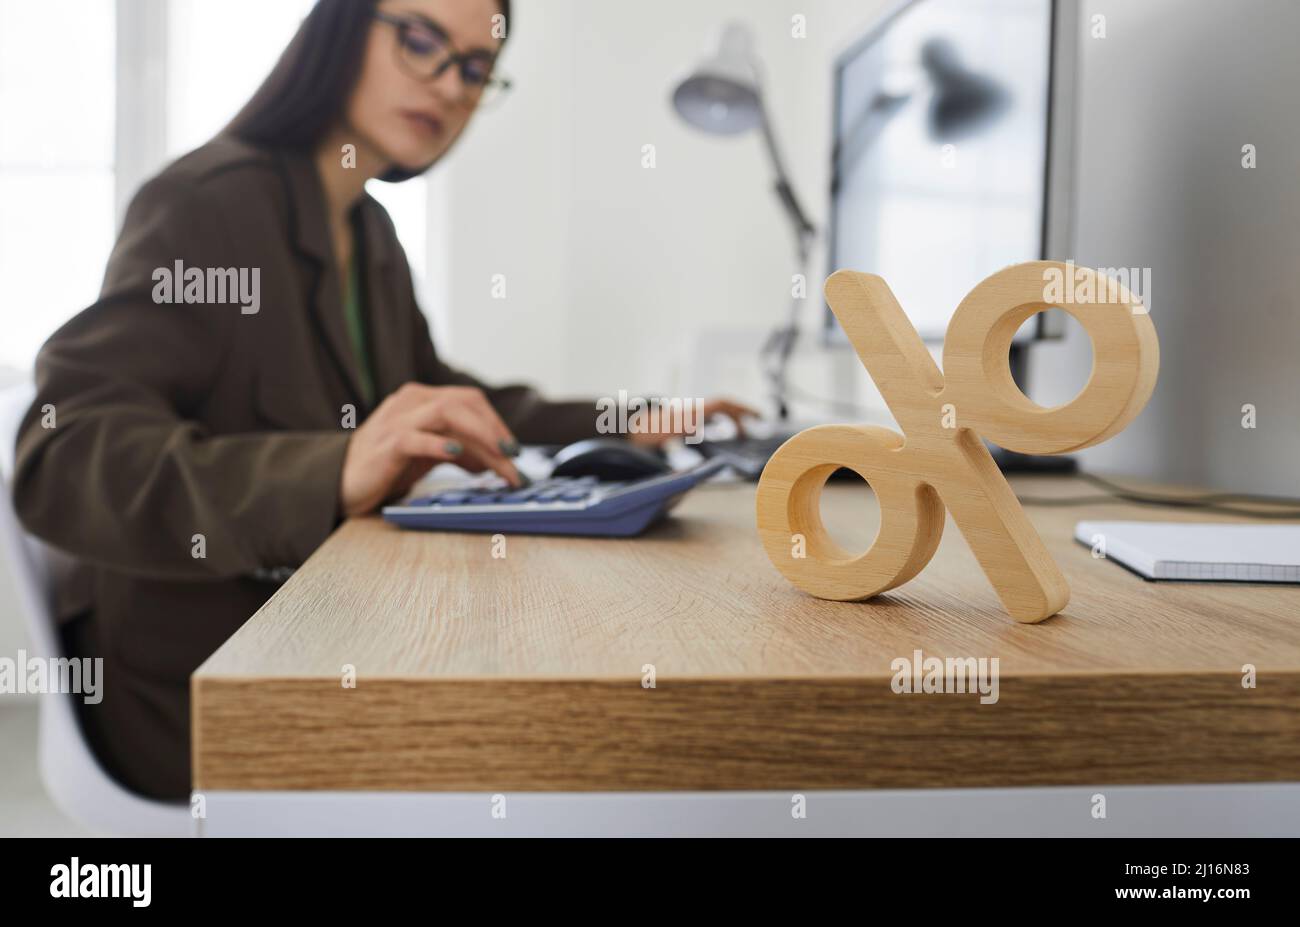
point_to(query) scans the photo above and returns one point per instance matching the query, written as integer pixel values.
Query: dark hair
(306, 91)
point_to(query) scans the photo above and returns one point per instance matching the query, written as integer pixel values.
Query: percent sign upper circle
(940, 460)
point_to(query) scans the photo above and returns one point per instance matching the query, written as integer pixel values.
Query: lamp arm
(780, 343)
(803, 227)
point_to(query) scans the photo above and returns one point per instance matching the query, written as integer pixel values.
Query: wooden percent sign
(940, 460)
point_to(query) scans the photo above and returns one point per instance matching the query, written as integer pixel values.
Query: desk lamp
(723, 95)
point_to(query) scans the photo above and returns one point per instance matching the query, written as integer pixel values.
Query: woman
(194, 430)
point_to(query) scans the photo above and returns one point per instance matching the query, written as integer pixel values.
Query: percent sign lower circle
(940, 461)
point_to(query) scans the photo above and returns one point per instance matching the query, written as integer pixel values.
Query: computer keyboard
(747, 456)
(559, 505)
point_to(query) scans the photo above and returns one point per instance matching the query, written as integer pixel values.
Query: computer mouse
(608, 459)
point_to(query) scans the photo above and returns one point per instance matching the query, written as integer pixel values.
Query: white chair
(73, 777)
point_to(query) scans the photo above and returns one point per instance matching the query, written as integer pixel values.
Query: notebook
(1173, 550)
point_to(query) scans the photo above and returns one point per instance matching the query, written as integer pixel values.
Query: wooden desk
(522, 674)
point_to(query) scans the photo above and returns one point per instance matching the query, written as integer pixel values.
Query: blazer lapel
(387, 298)
(311, 233)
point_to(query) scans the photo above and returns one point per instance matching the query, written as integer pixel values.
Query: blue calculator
(559, 505)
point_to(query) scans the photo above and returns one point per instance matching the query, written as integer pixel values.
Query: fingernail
(509, 447)
(453, 448)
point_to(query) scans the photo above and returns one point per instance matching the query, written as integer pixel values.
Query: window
(57, 118)
(204, 92)
(87, 113)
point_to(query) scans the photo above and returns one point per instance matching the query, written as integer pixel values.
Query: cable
(1213, 497)
(840, 405)
(1210, 502)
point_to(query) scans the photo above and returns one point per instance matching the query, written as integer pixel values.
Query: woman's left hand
(735, 411)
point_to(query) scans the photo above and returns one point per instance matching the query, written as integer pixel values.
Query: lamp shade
(963, 101)
(722, 95)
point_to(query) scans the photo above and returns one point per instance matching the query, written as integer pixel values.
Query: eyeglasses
(425, 52)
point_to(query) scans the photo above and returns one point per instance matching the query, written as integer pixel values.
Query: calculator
(559, 505)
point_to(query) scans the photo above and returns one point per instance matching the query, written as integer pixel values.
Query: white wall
(621, 277)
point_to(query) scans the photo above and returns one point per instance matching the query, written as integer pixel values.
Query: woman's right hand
(414, 428)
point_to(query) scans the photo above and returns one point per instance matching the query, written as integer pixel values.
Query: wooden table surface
(476, 673)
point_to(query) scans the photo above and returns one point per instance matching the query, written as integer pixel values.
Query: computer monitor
(952, 153)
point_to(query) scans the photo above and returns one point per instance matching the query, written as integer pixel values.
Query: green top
(354, 313)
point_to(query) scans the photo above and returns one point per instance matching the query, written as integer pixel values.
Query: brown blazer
(174, 420)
